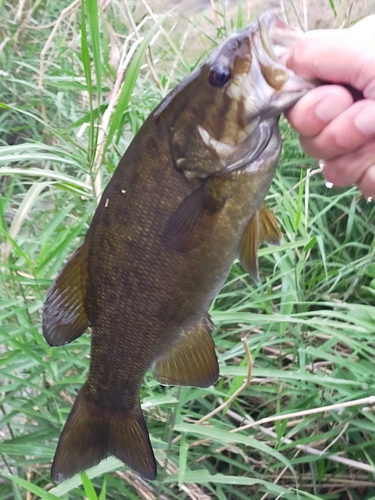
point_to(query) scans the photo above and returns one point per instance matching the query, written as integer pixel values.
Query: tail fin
(91, 434)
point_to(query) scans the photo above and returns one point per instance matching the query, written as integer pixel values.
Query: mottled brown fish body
(184, 202)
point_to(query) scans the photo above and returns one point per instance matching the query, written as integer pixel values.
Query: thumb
(338, 56)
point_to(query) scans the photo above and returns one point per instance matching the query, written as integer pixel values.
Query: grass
(70, 103)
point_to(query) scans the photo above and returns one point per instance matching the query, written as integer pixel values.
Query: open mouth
(272, 42)
(277, 36)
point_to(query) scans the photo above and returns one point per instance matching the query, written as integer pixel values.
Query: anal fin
(64, 315)
(191, 361)
(262, 228)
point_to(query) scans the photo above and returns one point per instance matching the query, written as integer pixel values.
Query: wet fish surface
(184, 202)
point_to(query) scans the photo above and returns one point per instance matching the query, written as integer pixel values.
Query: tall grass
(76, 82)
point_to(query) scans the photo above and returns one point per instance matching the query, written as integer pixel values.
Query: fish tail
(92, 434)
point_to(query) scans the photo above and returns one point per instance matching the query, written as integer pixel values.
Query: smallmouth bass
(185, 200)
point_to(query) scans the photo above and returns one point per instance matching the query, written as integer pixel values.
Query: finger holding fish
(340, 56)
(355, 167)
(346, 144)
(366, 184)
(350, 130)
(336, 126)
(311, 114)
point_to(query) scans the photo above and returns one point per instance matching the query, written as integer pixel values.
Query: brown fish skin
(178, 210)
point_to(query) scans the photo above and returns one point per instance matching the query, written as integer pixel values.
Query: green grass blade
(39, 492)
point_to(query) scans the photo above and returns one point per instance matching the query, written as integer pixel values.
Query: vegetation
(76, 82)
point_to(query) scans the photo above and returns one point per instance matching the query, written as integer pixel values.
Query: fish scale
(185, 200)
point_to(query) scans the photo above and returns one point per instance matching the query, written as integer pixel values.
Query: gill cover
(234, 99)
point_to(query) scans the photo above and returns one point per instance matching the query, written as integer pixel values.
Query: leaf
(93, 22)
(44, 495)
(108, 465)
(129, 83)
(88, 487)
(204, 477)
(222, 436)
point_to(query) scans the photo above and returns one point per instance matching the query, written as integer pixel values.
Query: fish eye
(219, 76)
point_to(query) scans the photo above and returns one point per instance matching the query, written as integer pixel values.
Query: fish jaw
(271, 42)
(273, 88)
(235, 98)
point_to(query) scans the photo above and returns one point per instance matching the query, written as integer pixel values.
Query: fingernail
(370, 90)
(365, 121)
(328, 109)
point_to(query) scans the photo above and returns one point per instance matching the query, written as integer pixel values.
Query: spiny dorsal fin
(64, 316)
(192, 361)
(262, 228)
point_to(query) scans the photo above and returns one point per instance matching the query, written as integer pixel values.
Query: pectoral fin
(192, 361)
(269, 231)
(262, 228)
(64, 316)
(189, 224)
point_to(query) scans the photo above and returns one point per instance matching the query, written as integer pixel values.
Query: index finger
(350, 130)
(317, 108)
(338, 56)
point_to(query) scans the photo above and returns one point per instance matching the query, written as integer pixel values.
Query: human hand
(332, 126)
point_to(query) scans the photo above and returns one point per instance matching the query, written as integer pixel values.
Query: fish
(184, 202)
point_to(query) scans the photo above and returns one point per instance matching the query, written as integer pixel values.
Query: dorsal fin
(64, 315)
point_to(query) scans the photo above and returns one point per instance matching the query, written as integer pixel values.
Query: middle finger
(345, 133)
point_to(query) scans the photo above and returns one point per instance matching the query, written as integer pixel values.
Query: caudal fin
(91, 434)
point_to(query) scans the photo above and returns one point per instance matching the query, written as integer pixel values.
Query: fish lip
(276, 36)
(272, 40)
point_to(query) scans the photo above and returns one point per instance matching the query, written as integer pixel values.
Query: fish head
(233, 100)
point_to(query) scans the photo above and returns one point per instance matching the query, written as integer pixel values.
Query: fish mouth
(272, 41)
(276, 35)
